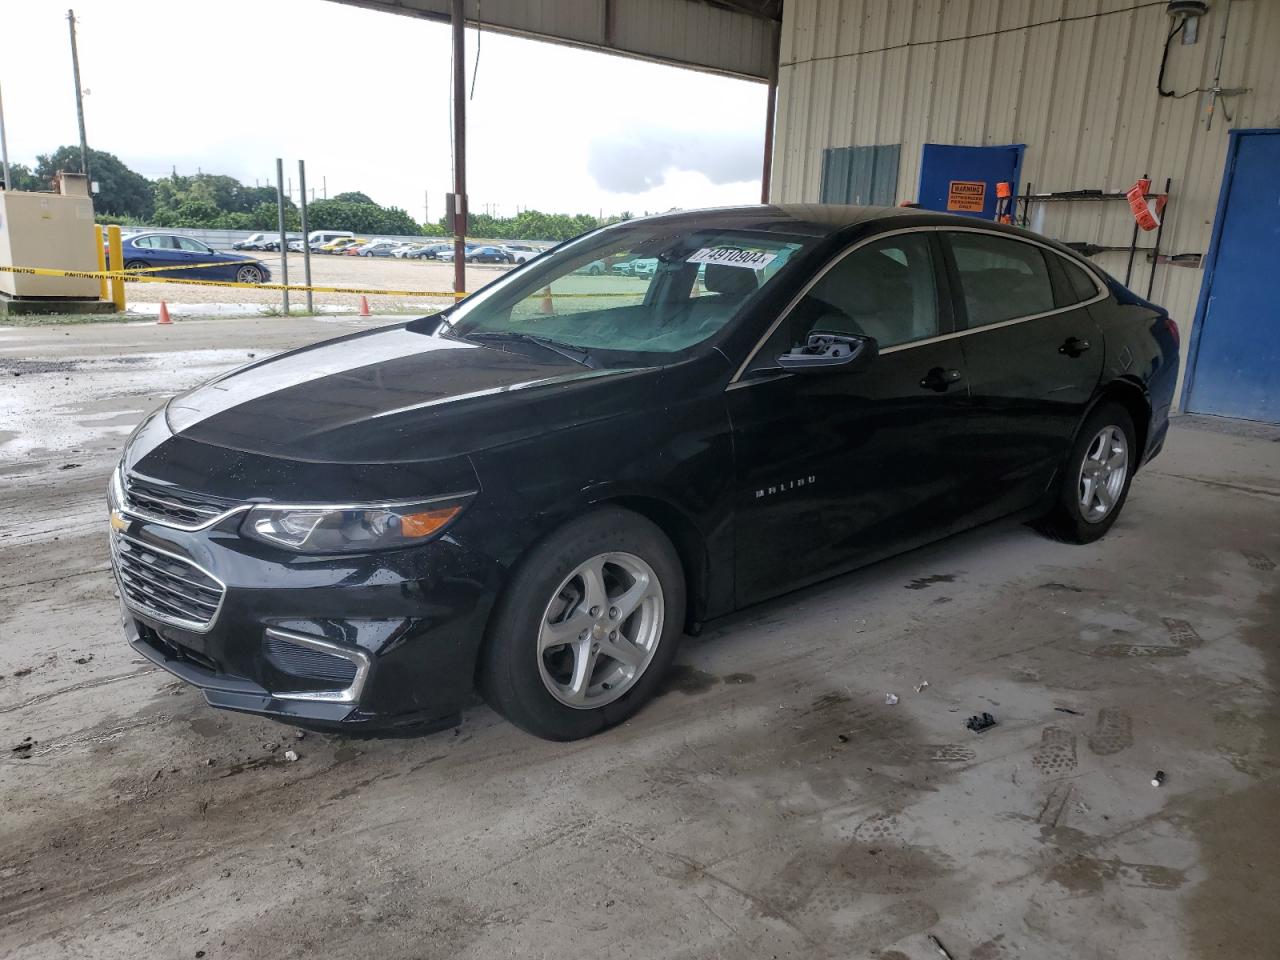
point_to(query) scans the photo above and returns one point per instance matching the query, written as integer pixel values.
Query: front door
(1235, 365)
(837, 469)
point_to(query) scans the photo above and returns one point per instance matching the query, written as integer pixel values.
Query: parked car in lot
(447, 252)
(593, 269)
(141, 250)
(488, 255)
(339, 244)
(252, 242)
(356, 533)
(273, 242)
(317, 239)
(378, 248)
(520, 252)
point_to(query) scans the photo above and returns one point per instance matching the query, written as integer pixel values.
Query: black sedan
(489, 255)
(536, 492)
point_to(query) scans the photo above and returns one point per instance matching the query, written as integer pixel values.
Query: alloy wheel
(248, 275)
(600, 630)
(1103, 473)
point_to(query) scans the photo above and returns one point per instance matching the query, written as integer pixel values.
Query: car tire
(1096, 477)
(249, 274)
(135, 264)
(537, 683)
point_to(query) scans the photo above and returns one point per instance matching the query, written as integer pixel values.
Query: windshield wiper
(566, 350)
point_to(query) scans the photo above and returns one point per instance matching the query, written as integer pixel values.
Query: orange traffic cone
(546, 307)
(364, 307)
(164, 313)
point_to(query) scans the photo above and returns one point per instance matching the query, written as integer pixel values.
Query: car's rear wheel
(1095, 481)
(135, 264)
(587, 627)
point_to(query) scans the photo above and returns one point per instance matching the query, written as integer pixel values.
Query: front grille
(169, 505)
(300, 661)
(169, 588)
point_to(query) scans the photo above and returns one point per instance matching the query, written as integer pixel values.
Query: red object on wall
(1142, 212)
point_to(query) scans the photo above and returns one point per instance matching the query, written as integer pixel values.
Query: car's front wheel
(1095, 481)
(586, 628)
(249, 274)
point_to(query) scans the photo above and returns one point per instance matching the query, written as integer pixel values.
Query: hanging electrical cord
(1164, 59)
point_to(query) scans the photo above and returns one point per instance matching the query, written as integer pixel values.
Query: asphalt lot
(770, 804)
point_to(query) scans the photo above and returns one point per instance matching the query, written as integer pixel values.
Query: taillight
(1172, 327)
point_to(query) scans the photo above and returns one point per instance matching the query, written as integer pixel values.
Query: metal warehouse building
(890, 101)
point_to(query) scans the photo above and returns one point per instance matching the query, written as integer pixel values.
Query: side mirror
(824, 352)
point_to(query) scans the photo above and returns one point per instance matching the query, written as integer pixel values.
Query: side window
(144, 242)
(886, 290)
(1002, 278)
(1083, 286)
(195, 246)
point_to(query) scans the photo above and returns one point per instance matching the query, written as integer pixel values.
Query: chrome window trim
(195, 626)
(736, 381)
(356, 655)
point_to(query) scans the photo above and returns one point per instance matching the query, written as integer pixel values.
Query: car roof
(821, 219)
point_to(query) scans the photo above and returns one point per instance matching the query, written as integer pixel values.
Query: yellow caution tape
(130, 276)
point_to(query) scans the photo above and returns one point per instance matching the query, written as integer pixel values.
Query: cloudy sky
(364, 98)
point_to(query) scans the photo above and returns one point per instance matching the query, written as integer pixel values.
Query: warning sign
(967, 196)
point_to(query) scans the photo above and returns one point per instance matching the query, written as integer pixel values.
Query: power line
(979, 36)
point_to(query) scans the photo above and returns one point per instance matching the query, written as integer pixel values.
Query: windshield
(636, 289)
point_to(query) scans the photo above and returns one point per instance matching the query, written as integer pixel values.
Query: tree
(354, 196)
(23, 178)
(363, 218)
(121, 191)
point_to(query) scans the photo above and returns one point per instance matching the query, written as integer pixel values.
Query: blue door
(1235, 350)
(963, 179)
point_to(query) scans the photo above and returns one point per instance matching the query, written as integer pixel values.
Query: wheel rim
(247, 275)
(601, 630)
(1103, 473)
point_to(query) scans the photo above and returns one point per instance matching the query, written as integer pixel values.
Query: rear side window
(1002, 278)
(1082, 286)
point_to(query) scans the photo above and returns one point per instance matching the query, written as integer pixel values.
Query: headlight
(350, 528)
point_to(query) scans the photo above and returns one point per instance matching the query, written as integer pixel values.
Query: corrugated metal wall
(1075, 80)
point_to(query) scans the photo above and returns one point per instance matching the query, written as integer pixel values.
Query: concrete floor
(770, 804)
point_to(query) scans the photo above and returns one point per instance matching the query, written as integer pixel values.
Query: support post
(102, 262)
(458, 25)
(306, 241)
(284, 242)
(75, 73)
(116, 263)
(771, 108)
(4, 147)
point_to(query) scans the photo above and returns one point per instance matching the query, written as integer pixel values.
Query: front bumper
(380, 641)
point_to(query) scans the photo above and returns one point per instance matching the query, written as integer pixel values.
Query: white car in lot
(520, 252)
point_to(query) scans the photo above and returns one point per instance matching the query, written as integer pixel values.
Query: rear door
(1033, 354)
(836, 469)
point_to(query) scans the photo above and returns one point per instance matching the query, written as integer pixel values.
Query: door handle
(1073, 347)
(939, 379)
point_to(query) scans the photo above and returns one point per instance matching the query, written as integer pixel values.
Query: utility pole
(306, 240)
(4, 147)
(426, 207)
(324, 188)
(284, 242)
(458, 26)
(75, 72)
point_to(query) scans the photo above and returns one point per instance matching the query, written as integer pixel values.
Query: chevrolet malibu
(536, 492)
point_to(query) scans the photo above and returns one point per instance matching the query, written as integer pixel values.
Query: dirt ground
(770, 804)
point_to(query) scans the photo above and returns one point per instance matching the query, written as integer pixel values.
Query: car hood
(396, 395)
